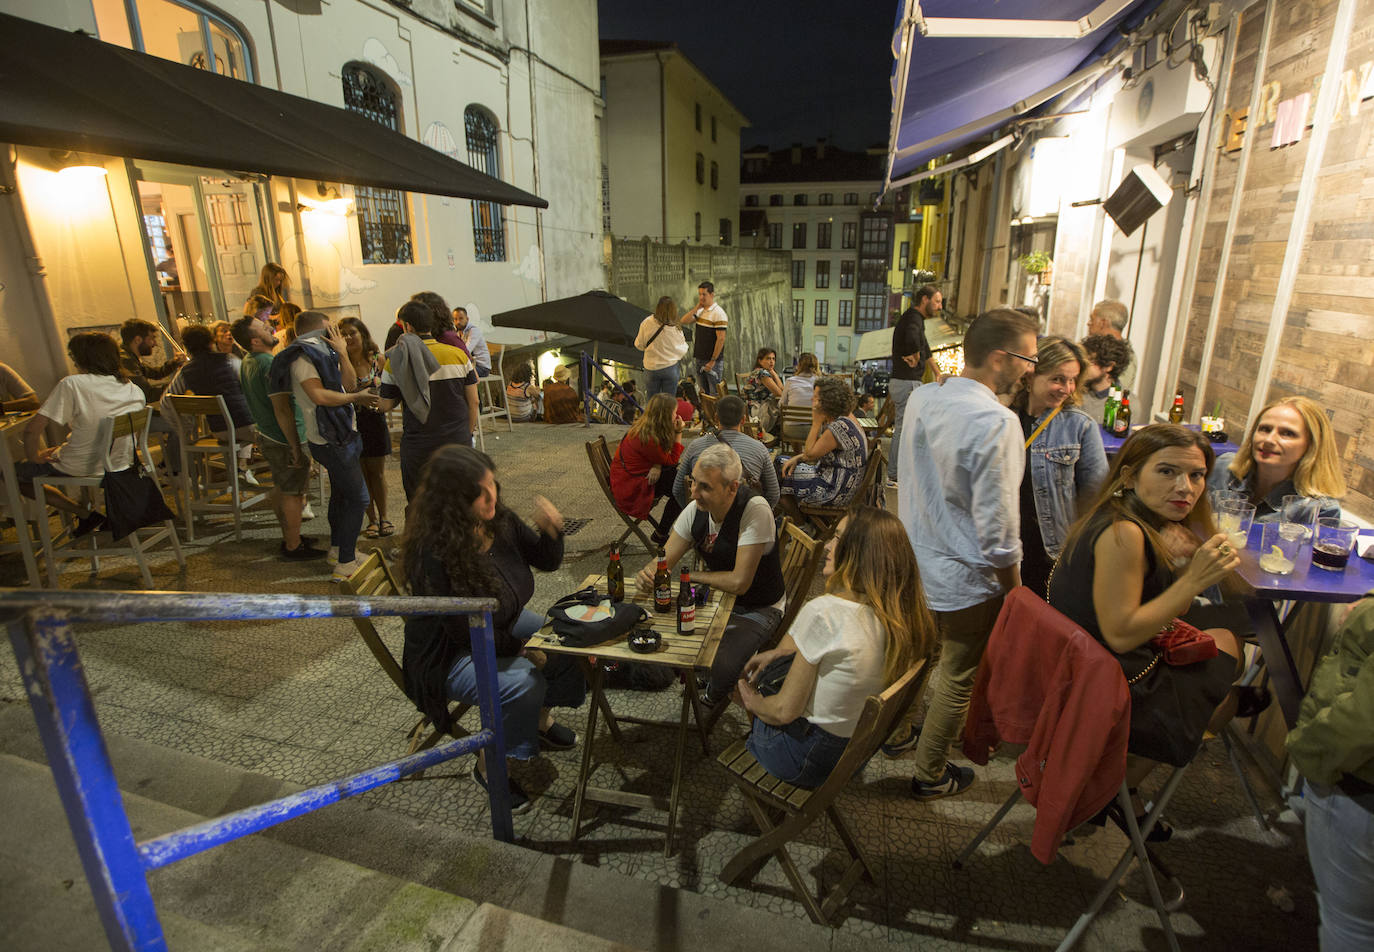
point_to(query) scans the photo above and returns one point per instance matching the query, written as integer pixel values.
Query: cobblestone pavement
(304, 701)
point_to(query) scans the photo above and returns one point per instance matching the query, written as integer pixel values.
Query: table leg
(1283, 671)
(698, 712)
(15, 502)
(679, 757)
(595, 682)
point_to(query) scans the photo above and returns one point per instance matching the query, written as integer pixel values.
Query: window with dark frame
(798, 273)
(713, 128)
(775, 234)
(847, 275)
(822, 317)
(902, 254)
(799, 198)
(849, 234)
(798, 310)
(851, 198)
(845, 317)
(799, 234)
(822, 274)
(698, 116)
(715, 176)
(382, 213)
(727, 228)
(488, 218)
(701, 169)
(823, 234)
(775, 199)
(875, 242)
(827, 198)
(698, 227)
(751, 201)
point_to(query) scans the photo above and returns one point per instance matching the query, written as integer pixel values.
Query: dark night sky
(798, 69)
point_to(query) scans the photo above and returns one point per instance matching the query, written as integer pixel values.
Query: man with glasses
(962, 459)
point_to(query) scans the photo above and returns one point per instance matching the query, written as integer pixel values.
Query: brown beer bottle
(615, 577)
(686, 606)
(1176, 411)
(663, 585)
(1121, 426)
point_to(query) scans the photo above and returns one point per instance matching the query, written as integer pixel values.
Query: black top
(767, 586)
(1035, 562)
(213, 375)
(909, 337)
(704, 340)
(434, 642)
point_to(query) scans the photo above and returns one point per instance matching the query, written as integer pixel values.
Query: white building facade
(507, 87)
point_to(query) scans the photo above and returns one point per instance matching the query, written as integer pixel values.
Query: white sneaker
(307, 513)
(343, 570)
(333, 557)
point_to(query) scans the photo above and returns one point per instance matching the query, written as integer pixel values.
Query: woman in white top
(864, 633)
(660, 337)
(796, 392)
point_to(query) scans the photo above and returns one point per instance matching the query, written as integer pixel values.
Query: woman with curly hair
(470, 545)
(645, 464)
(864, 633)
(830, 467)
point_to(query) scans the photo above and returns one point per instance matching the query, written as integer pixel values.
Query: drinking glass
(1301, 511)
(1278, 551)
(1220, 497)
(1235, 519)
(1331, 543)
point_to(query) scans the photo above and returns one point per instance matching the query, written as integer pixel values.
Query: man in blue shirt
(959, 479)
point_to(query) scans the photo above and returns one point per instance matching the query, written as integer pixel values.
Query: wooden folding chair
(203, 452)
(599, 454)
(799, 807)
(374, 577)
(827, 518)
(92, 546)
(886, 416)
(709, 421)
(796, 424)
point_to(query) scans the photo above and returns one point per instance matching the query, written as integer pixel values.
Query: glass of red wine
(1332, 542)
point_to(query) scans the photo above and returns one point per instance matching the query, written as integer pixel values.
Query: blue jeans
(522, 689)
(347, 493)
(1340, 847)
(708, 380)
(799, 753)
(898, 391)
(661, 381)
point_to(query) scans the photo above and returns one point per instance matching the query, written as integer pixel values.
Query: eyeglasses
(1033, 361)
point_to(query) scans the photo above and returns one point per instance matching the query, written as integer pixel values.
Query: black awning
(595, 315)
(71, 91)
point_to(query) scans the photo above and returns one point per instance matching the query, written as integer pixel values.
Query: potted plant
(1037, 263)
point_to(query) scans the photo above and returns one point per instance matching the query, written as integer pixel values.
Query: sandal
(386, 529)
(372, 531)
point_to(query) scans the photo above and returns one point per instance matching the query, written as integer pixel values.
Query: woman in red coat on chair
(645, 464)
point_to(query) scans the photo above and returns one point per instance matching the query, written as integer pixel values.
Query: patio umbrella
(596, 316)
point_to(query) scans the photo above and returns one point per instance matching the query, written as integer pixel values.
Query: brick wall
(1325, 351)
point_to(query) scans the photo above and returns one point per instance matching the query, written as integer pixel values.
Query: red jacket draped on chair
(631, 463)
(1046, 683)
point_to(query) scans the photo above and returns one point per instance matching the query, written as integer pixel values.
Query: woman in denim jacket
(1065, 462)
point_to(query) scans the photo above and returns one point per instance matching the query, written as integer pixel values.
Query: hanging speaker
(1141, 193)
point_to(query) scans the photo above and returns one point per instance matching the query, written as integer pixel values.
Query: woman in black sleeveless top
(1120, 577)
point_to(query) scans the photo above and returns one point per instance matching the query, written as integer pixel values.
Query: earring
(1116, 494)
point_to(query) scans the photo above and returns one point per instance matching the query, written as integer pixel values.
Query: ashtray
(1216, 436)
(644, 640)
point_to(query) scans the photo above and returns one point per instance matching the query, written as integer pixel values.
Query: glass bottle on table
(615, 577)
(1109, 410)
(686, 606)
(1121, 423)
(1176, 411)
(663, 585)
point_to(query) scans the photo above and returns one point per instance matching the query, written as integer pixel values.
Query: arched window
(178, 30)
(488, 223)
(383, 218)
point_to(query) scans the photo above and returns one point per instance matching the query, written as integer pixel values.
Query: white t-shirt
(797, 391)
(86, 402)
(847, 643)
(755, 525)
(668, 347)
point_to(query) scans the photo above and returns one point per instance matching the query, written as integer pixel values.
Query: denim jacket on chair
(1067, 466)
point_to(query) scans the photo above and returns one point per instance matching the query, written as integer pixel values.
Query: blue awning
(960, 87)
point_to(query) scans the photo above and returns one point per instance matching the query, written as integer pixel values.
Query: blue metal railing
(592, 394)
(116, 865)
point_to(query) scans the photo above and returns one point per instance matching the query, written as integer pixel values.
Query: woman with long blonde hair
(864, 633)
(645, 464)
(660, 337)
(1290, 451)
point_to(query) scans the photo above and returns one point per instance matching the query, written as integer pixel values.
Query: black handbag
(588, 617)
(132, 501)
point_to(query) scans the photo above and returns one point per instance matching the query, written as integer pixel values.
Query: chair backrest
(193, 411)
(740, 380)
(886, 415)
(871, 489)
(880, 714)
(708, 411)
(801, 559)
(599, 454)
(374, 577)
(133, 424)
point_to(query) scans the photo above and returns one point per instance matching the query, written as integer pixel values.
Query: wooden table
(684, 655)
(1306, 584)
(11, 432)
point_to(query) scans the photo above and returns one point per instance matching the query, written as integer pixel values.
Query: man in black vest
(732, 530)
